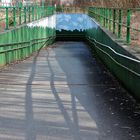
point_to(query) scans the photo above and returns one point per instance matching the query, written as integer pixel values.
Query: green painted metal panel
(124, 65)
(21, 42)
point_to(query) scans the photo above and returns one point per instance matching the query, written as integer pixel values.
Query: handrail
(14, 16)
(117, 8)
(25, 42)
(112, 17)
(14, 49)
(122, 24)
(20, 50)
(119, 54)
(19, 43)
(94, 41)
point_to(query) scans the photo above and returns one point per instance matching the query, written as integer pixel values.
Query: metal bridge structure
(63, 78)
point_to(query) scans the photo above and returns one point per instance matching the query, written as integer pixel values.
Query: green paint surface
(124, 65)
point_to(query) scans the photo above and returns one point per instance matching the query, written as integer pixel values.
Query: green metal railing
(14, 16)
(125, 68)
(120, 62)
(17, 51)
(115, 19)
(19, 42)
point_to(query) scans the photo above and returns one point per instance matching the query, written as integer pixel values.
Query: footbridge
(63, 78)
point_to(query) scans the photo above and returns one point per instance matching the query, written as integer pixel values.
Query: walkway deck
(62, 93)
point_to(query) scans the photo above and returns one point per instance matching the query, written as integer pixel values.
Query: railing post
(36, 12)
(100, 12)
(20, 15)
(114, 21)
(29, 12)
(7, 19)
(41, 9)
(44, 12)
(120, 24)
(128, 26)
(104, 16)
(96, 10)
(95, 13)
(25, 15)
(110, 18)
(39, 13)
(14, 16)
(107, 18)
(33, 13)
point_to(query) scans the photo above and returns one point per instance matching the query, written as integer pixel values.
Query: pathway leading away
(62, 93)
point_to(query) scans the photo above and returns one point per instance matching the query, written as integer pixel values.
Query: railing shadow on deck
(101, 95)
(113, 103)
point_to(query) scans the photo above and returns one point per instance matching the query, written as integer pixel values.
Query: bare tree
(109, 3)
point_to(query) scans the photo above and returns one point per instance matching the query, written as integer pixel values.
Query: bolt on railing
(113, 19)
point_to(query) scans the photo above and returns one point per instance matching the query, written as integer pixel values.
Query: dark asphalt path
(62, 93)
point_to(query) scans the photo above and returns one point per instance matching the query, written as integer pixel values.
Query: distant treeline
(109, 3)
